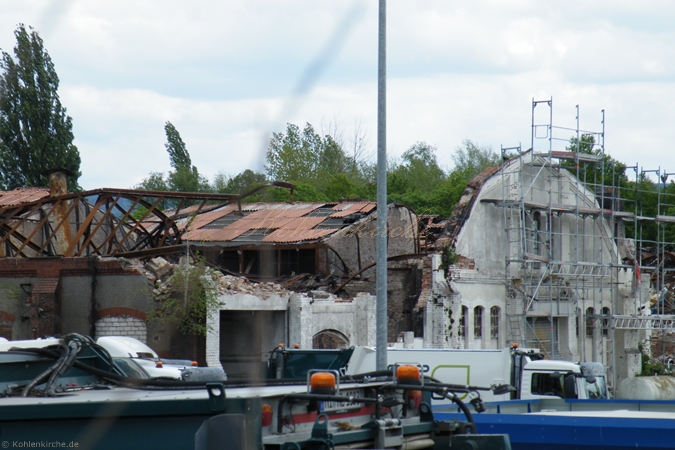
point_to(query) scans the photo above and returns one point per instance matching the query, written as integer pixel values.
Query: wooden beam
(83, 228)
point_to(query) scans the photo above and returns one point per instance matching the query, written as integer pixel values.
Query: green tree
(154, 182)
(414, 180)
(304, 157)
(341, 187)
(185, 177)
(175, 147)
(420, 167)
(600, 168)
(244, 182)
(303, 193)
(36, 134)
(293, 156)
(472, 159)
(192, 300)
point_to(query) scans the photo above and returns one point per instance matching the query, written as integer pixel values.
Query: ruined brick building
(96, 263)
(531, 254)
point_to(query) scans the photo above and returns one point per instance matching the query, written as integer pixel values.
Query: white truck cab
(136, 360)
(563, 379)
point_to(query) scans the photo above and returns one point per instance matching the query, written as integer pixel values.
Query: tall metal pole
(381, 284)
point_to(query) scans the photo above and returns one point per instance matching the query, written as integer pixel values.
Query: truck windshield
(598, 389)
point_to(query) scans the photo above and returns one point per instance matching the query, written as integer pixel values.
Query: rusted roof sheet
(276, 222)
(208, 217)
(22, 195)
(345, 209)
(287, 236)
(213, 235)
(283, 210)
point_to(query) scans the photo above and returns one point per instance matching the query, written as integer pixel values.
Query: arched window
(590, 312)
(494, 322)
(329, 339)
(478, 322)
(461, 330)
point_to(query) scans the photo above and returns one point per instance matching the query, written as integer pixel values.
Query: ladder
(515, 326)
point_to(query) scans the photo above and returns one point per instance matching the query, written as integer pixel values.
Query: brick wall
(122, 326)
(121, 321)
(6, 322)
(54, 267)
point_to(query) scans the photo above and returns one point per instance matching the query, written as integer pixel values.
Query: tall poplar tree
(175, 147)
(36, 134)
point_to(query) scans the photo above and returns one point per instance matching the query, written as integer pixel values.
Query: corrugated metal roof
(22, 195)
(208, 217)
(288, 236)
(276, 222)
(346, 208)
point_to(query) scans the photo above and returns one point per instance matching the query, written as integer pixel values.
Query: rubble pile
(159, 273)
(228, 284)
(662, 302)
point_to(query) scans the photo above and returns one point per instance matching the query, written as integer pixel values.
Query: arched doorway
(329, 339)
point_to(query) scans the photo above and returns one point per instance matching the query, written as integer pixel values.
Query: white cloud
(224, 73)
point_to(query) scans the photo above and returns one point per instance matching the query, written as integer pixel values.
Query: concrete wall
(109, 291)
(483, 242)
(13, 301)
(246, 327)
(443, 309)
(115, 283)
(354, 319)
(288, 318)
(356, 244)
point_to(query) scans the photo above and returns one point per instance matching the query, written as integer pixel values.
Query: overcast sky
(229, 73)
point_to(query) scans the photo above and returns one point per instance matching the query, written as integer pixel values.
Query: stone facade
(523, 275)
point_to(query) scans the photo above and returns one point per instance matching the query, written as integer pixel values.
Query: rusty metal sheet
(271, 223)
(285, 222)
(22, 195)
(211, 235)
(211, 216)
(296, 235)
(281, 206)
(304, 223)
(284, 210)
(345, 209)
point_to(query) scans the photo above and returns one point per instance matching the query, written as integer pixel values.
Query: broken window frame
(462, 328)
(590, 312)
(495, 312)
(478, 322)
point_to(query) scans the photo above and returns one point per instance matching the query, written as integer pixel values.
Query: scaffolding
(578, 230)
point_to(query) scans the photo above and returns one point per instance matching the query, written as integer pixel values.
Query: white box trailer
(461, 366)
(524, 369)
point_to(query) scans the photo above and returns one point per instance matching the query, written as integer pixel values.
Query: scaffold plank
(654, 322)
(670, 219)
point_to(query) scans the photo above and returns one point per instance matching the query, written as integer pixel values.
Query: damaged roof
(462, 209)
(22, 195)
(275, 223)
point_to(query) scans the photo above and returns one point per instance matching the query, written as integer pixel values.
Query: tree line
(323, 170)
(36, 135)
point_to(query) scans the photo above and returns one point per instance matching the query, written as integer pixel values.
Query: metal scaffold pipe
(381, 271)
